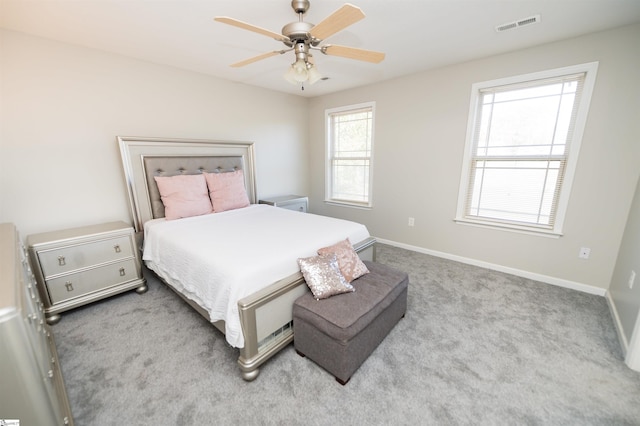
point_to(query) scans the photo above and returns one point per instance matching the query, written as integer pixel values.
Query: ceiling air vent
(519, 23)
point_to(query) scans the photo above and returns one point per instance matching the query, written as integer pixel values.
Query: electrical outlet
(632, 278)
(584, 252)
(412, 221)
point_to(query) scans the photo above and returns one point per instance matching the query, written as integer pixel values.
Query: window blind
(522, 134)
(350, 146)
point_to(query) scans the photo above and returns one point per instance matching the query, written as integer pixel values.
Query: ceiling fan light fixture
(313, 74)
(297, 72)
(289, 76)
(301, 71)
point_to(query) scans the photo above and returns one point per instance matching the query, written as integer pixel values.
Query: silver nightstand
(77, 266)
(290, 202)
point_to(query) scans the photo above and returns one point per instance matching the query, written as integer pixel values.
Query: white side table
(291, 202)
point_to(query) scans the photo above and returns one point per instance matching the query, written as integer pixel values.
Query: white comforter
(220, 258)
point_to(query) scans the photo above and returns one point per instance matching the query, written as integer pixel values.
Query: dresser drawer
(32, 388)
(80, 283)
(33, 316)
(65, 259)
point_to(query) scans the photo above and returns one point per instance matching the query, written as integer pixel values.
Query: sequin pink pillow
(226, 190)
(350, 264)
(323, 276)
(183, 196)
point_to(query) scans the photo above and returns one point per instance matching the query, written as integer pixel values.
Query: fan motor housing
(297, 31)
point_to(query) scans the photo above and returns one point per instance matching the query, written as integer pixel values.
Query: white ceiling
(416, 35)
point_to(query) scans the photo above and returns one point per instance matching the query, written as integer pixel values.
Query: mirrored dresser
(32, 389)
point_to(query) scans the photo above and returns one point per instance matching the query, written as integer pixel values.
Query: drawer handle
(117, 248)
(61, 261)
(122, 272)
(69, 286)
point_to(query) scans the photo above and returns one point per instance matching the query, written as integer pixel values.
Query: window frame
(573, 146)
(329, 113)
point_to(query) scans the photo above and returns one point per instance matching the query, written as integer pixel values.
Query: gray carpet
(476, 347)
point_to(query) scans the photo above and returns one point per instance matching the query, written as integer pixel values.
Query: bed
(255, 313)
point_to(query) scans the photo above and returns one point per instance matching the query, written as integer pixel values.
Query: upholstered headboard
(144, 158)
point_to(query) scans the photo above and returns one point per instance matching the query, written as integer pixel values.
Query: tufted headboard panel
(144, 158)
(171, 166)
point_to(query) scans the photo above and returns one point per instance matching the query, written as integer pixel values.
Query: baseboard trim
(624, 343)
(585, 288)
(632, 357)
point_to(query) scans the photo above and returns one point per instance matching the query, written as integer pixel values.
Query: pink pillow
(183, 195)
(350, 264)
(226, 190)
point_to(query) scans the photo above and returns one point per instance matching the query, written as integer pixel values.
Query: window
(523, 139)
(349, 154)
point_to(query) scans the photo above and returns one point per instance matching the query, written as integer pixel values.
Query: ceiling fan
(301, 37)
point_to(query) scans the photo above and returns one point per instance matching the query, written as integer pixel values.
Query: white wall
(419, 139)
(625, 301)
(62, 107)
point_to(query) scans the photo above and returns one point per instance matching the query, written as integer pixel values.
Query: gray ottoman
(340, 332)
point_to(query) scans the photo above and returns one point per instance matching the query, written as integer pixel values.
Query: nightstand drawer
(75, 285)
(299, 206)
(289, 202)
(65, 259)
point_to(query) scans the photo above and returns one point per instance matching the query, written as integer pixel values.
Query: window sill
(346, 204)
(549, 233)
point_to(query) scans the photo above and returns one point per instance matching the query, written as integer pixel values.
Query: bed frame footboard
(267, 320)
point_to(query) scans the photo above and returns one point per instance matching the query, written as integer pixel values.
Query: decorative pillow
(323, 276)
(183, 195)
(350, 264)
(226, 190)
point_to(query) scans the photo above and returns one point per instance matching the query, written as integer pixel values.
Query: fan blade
(257, 58)
(245, 26)
(337, 21)
(353, 53)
